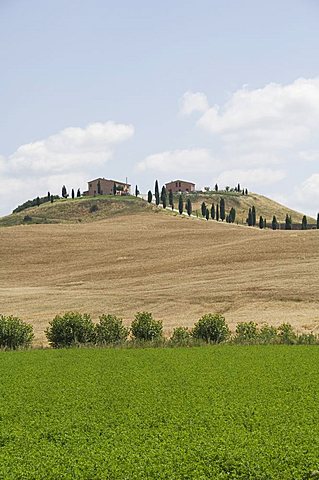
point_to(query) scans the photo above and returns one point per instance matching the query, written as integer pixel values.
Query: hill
(84, 209)
(176, 267)
(264, 206)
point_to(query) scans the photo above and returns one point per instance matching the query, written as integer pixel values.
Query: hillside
(264, 206)
(177, 267)
(84, 209)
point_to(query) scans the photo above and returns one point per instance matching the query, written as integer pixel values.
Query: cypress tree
(99, 188)
(72, 193)
(203, 208)
(274, 223)
(250, 218)
(172, 205)
(238, 187)
(253, 213)
(51, 199)
(64, 192)
(265, 223)
(180, 205)
(207, 214)
(137, 192)
(38, 201)
(288, 222)
(78, 193)
(156, 188)
(49, 196)
(232, 215)
(170, 198)
(222, 209)
(163, 192)
(164, 201)
(216, 188)
(189, 207)
(318, 221)
(246, 192)
(304, 223)
(261, 222)
(212, 211)
(217, 212)
(114, 189)
(149, 196)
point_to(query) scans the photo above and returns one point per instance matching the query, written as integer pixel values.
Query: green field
(221, 412)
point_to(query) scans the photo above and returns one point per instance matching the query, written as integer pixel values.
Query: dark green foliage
(145, 328)
(14, 333)
(99, 188)
(274, 223)
(318, 221)
(180, 205)
(261, 222)
(163, 192)
(222, 209)
(149, 196)
(288, 222)
(64, 192)
(238, 187)
(232, 215)
(181, 337)
(110, 330)
(164, 201)
(203, 209)
(38, 201)
(216, 188)
(114, 189)
(157, 197)
(137, 192)
(286, 334)
(246, 332)
(217, 212)
(246, 192)
(72, 193)
(170, 198)
(253, 214)
(304, 223)
(94, 208)
(250, 218)
(48, 196)
(73, 328)
(189, 207)
(52, 199)
(211, 328)
(267, 334)
(78, 193)
(27, 219)
(212, 212)
(207, 214)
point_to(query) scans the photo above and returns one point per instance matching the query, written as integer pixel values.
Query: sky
(209, 91)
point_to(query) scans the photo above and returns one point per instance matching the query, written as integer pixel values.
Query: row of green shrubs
(76, 329)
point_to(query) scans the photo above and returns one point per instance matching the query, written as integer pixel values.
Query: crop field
(177, 268)
(220, 412)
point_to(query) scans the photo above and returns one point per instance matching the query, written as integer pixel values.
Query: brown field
(177, 268)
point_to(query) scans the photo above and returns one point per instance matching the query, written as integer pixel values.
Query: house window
(180, 184)
(176, 184)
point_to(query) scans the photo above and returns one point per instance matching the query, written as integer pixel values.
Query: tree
(181, 336)
(212, 211)
(137, 192)
(216, 188)
(99, 188)
(49, 196)
(211, 328)
(114, 188)
(203, 208)
(78, 193)
(246, 192)
(15, 333)
(72, 328)
(170, 198)
(110, 330)
(156, 193)
(64, 192)
(145, 328)
(149, 196)
(189, 207)
(261, 222)
(217, 212)
(246, 332)
(180, 205)
(304, 223)
(163, 192)
(250, 218)
(265, 223)
(253, 214)
(73, 193)
(274, 223)
(232, 215)
(51, 199)
(222, 209)
(164, 201)
(288, 222)
(318, 221)
(38, 201)
(207, 214)
(238, 187)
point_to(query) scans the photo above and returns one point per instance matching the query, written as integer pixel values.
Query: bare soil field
(178, 268)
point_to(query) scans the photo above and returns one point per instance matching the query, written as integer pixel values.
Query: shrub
(246, 332)
(94, 208)
(110, 330)
(286, 334)
(27, 219)
(144, 327)
(72, 328)
(15, 333)
(268, 334)
(211, 328)
(181, 336)
(307, 339)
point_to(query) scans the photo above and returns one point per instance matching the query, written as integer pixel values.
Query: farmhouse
(180, 186)
(104, 186)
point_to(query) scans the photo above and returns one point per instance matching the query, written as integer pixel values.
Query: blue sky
(208, 91)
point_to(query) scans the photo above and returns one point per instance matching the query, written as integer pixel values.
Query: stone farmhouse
(104, 186)
(180, 186)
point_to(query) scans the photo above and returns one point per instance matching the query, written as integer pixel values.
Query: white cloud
(69, 155)
(178, 161)
(252, 177)
(308, 193)
(193, 102)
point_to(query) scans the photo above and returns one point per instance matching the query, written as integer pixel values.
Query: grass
(200, 413)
